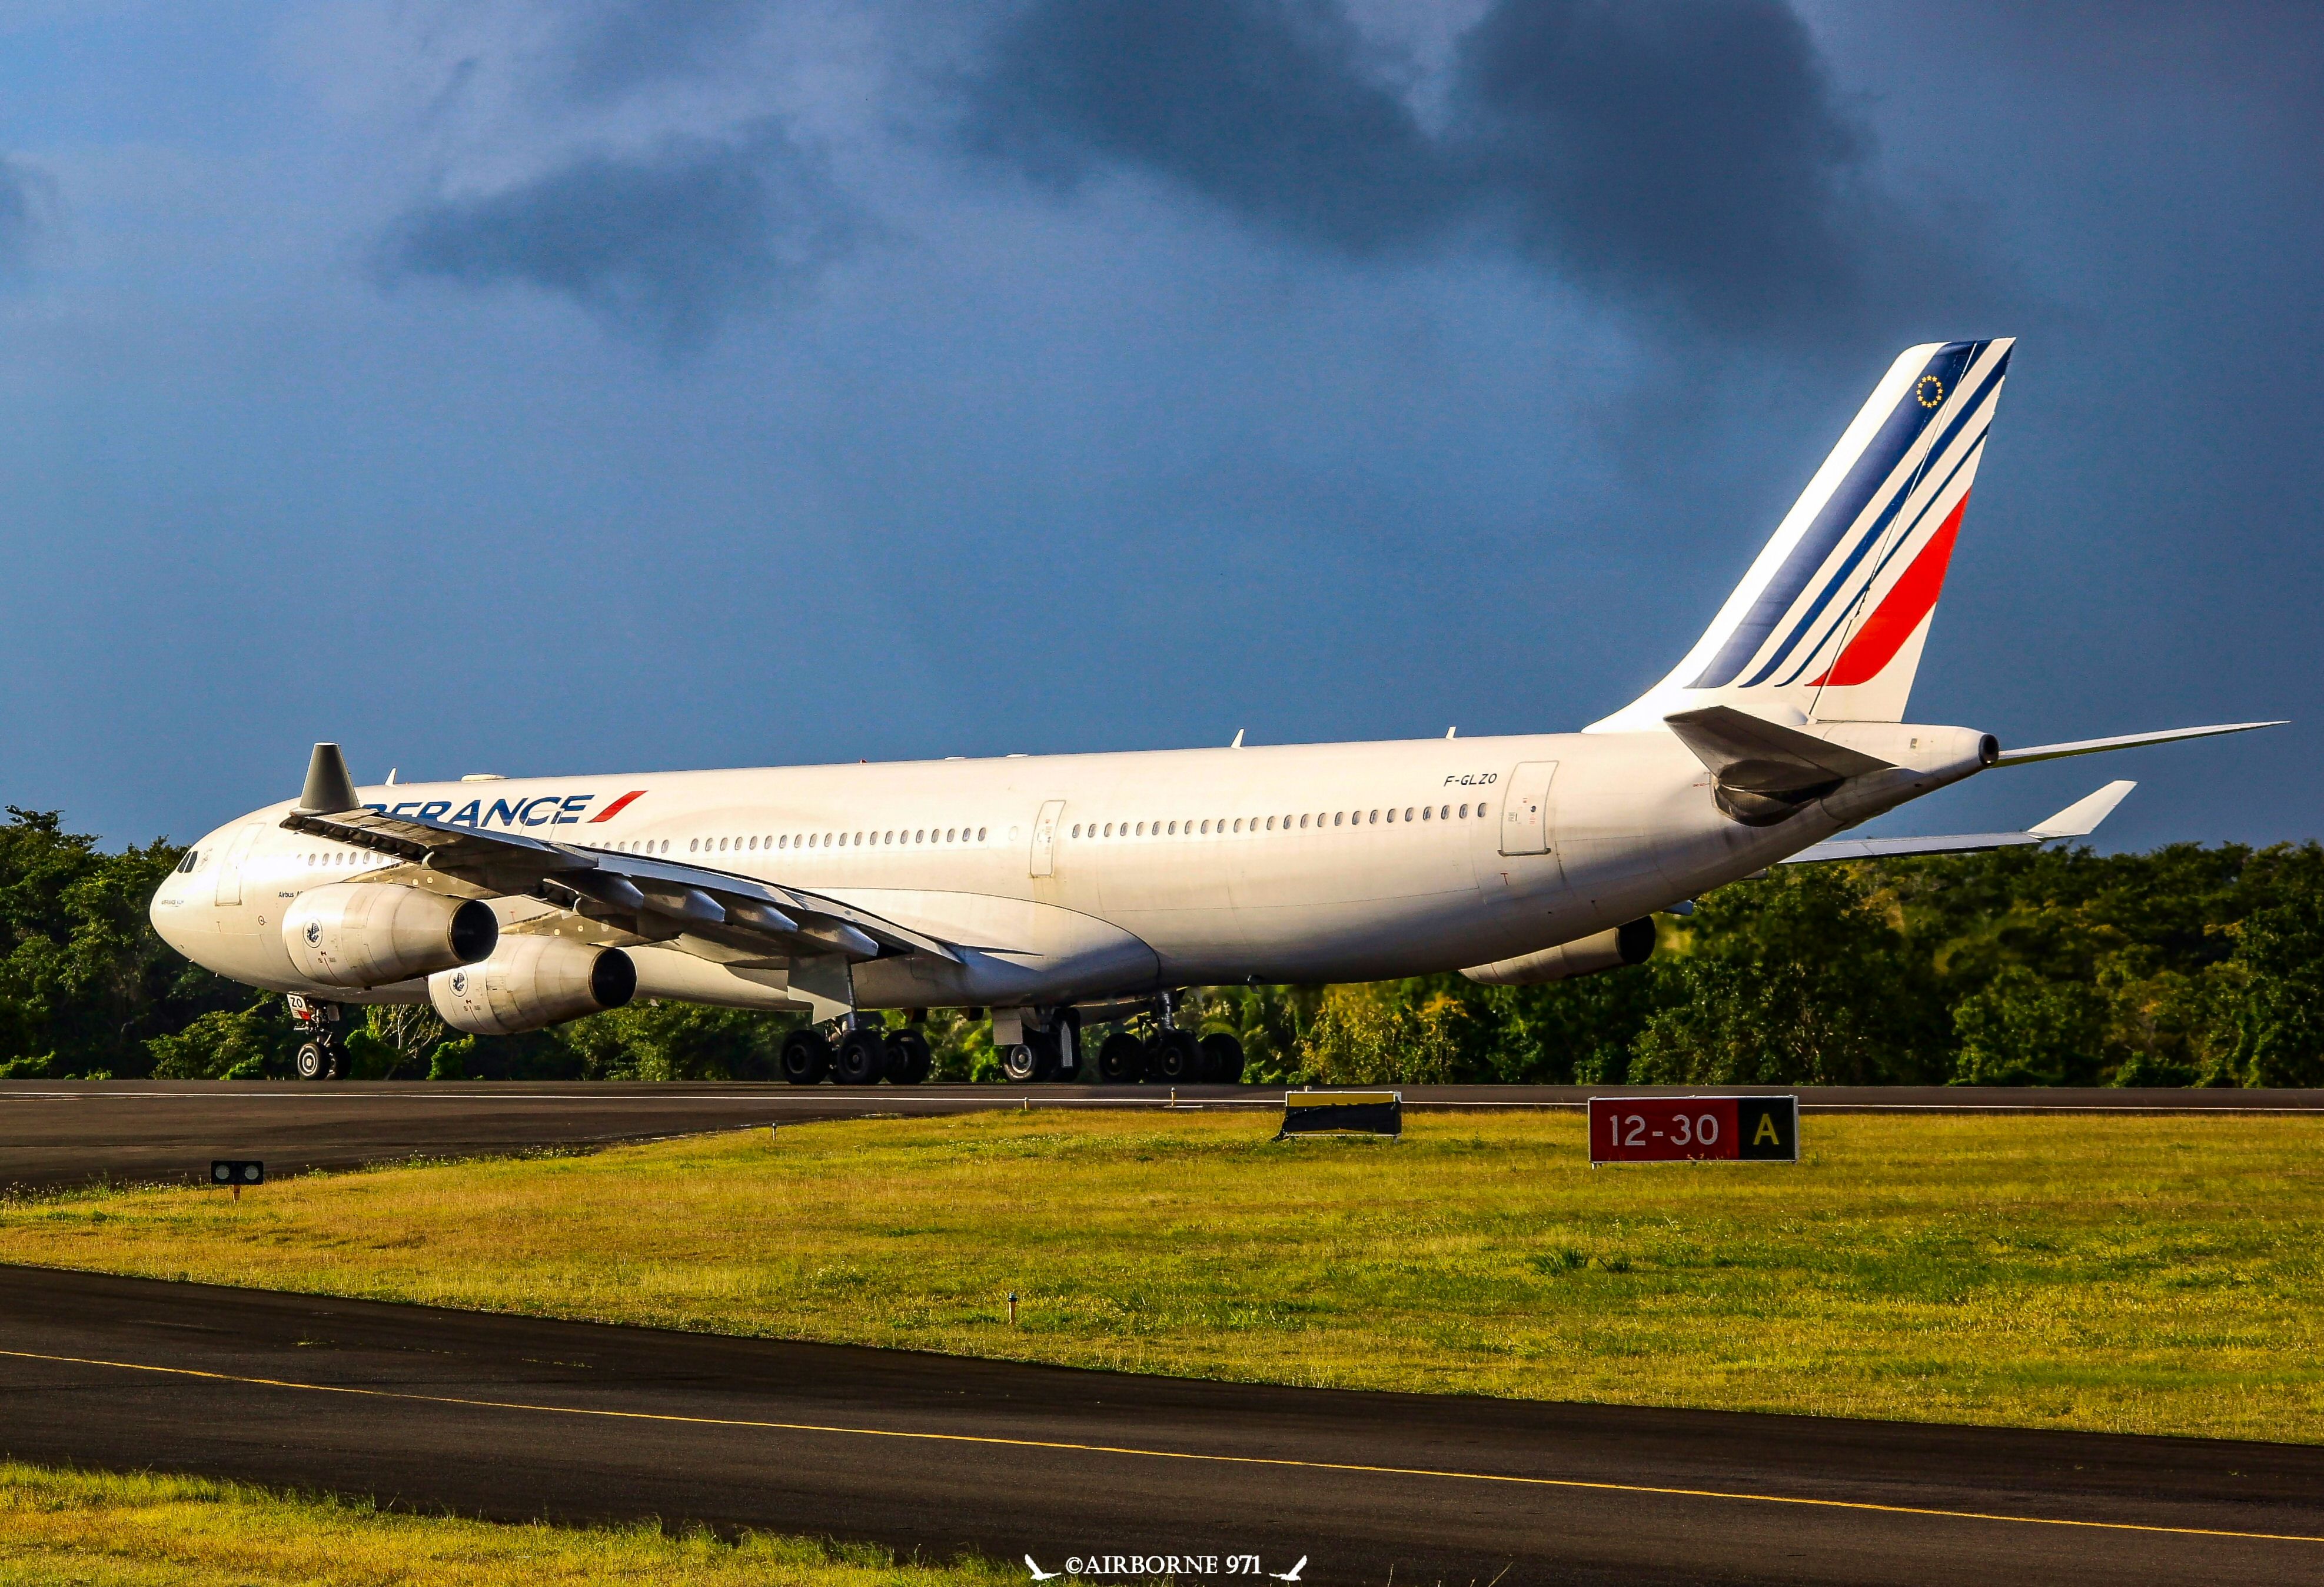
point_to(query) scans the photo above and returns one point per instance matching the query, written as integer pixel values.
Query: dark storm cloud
(617, 46)
(664, 245)
(1264, 106)
(1682, 153)
(1691, 144)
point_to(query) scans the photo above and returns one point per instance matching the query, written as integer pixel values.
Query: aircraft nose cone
(167, 921)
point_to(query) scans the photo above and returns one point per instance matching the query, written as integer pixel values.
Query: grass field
(145, 1531)
(2160, 1275)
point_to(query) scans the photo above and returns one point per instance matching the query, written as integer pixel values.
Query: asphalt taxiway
(520, 1417)
(56, 1134)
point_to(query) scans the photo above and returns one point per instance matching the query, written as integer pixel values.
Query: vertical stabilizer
(1828, 624)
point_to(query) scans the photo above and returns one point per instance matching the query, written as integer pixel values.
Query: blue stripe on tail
(1871, 468)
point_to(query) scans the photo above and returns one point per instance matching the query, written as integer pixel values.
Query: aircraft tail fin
(1829, 622)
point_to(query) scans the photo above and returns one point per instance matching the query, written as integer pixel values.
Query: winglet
(2081, 818)
(329, 789)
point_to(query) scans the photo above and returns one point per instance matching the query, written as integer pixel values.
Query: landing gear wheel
(806, 1057)
(1121, 1059)
(1175, 1056)
(316, 1061)
(861, 1059)
(1022, 1062)
(1223, 1059)
(909, 1059)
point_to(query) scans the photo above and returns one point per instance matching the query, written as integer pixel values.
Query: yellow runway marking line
(1167, 1454)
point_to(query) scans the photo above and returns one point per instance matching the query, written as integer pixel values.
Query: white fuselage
(1079, 877)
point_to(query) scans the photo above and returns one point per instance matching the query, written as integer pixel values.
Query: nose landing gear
(322, 1056)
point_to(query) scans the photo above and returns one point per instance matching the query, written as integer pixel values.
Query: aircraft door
(1044, 838)
(1525, 808)
(229, 876)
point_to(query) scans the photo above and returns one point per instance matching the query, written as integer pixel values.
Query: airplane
(1059, 890)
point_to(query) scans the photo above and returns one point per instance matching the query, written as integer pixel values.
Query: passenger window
(1337, 818)
(1428, 812)
(690, 846)
(1464, 812)
(947, 835)
(1408, 812)
(980, 835)
(1238, 825)
(1375, 820)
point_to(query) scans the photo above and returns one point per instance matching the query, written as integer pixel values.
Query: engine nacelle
(530, 981)
(1630, 943)
(360, 934)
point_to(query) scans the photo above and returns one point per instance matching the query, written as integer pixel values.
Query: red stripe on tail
(1912, 598)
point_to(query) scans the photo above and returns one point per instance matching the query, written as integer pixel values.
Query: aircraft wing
(2079, 819)
(652, 898)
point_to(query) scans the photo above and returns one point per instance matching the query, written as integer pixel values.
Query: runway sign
(1370, 1112)
(1694, 1128)
(236, 1172)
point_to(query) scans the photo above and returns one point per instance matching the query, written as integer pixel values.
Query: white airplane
(1057, 889)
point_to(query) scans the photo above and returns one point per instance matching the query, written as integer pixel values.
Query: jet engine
(372, 933)
(1631, 942)
(530, 981)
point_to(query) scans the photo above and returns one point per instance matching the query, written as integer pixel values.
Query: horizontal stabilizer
(1755, 754)
(2079, 819)
(2128, 740)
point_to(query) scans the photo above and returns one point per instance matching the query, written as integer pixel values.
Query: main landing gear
(322, 1056)
(862, 1055)
(1051, 1054)
(1168, 1054)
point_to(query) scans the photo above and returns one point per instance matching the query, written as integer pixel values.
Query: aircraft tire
(1121, 1059)
(908, 1057)
(1020, 1064)
(313, 1062)
(1176, 1057)
(806, 1056)
(1223, 1059)
(861, 1058)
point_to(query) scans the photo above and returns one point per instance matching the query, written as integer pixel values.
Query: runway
(518, 1417)
(56, 1133)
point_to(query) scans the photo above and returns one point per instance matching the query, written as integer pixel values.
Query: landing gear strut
(322, 1056)
(1167, 1053)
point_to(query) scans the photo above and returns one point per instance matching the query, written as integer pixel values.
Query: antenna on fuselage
(1450, 732)
(329, 789)
(1238, 739)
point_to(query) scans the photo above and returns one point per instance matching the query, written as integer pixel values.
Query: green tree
(1794, 980)
(2280, 1027)
(2023, 1030)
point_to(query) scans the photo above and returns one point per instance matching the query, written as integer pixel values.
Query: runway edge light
(1694, 1129)
(236, 1172)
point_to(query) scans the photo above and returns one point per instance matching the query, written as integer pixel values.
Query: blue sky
(608, 384)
